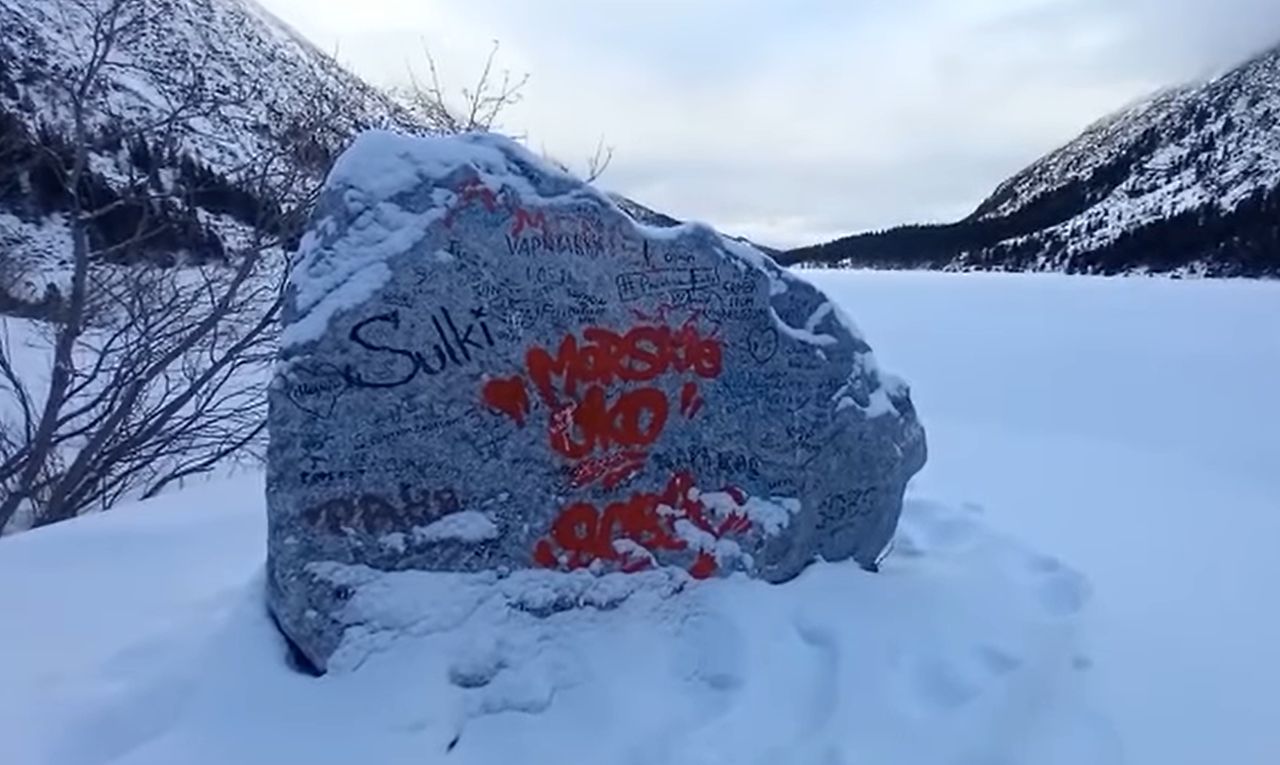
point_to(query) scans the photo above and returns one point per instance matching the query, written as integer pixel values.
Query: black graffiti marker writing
(464, 339)
(453, 356)
(357, 337)
(478, 313)
(455, 345)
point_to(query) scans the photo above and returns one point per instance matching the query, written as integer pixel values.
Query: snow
(383, 163)
(806, 333)
(184, 665)
(467, 526)
(771, 515)
(35, 255)
(1083, 574)
(633, 550)
(696, 538)
(879, 404)
(335, 272)
(1128, 426)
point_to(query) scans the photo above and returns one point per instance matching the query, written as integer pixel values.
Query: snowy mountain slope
(1187, 180)
(256, 86)
(263, 71)
(651, 217)
(1225, 132)
(642, 214)
(262, 86)
(1101, 144)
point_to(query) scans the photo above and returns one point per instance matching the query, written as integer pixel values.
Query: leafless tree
(594, 166)
(147, 375)
(598, 162)
(472, 109)
(478, 107)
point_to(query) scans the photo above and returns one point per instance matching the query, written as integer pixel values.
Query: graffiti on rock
(376, 514)
(603, 430)
(629, 531)
(399, 365)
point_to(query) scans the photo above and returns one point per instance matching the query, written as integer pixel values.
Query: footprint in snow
(1059, 590)
(938, 684)
(932, 527)
(711, 652)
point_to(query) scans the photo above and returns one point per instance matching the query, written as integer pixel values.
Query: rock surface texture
(488, 368)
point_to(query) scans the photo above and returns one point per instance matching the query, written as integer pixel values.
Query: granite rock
(487, 366)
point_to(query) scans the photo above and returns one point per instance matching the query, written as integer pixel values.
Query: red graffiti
(602, 415)
(610, 471)
(703, 566)
(690, 401)
(544, 555)
(634, 420)
(629, 531)
(469, 191)
(507, 395)
(474, 190)
(642, 354)
(584, 421)
(524, 219)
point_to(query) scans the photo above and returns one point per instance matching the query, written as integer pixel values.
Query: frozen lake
(1131, 426)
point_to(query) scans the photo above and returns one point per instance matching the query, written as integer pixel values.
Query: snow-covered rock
(467, 323)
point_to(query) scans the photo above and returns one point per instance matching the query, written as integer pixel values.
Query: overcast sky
(795, 121)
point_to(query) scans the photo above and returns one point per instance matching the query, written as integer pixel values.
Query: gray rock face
(488, 367)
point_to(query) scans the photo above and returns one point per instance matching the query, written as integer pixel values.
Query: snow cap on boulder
(487, 367)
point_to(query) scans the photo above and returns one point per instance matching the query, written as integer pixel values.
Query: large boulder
(486, 366)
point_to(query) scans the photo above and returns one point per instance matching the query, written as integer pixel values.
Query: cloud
(796, 122)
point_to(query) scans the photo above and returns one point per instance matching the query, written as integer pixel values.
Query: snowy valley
(1112, 427)
(1081, 573)
(1184, 182)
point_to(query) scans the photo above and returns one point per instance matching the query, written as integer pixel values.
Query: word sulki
(455, 347)
(585, 420)
(647, 521)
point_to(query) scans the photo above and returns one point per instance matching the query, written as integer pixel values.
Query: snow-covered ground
(1126, 427)
(1131, 426)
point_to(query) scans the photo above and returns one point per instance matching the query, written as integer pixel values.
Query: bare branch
(474, 109)
(598, 162)
(153, 374)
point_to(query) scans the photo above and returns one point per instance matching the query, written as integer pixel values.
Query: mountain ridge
(269, 82)
(228, 84)
(1186, 181)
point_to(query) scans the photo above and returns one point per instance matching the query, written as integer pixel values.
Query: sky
(798, 121)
